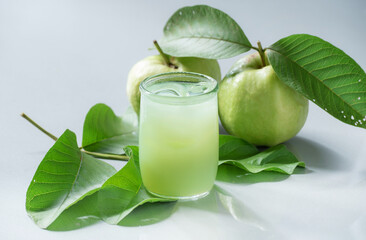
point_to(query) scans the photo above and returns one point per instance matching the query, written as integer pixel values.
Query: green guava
(156, 64)
(255, 105)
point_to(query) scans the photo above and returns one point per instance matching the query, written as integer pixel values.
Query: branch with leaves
(315, 68)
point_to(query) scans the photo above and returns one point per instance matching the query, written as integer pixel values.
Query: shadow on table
(222, 202)
(217, 201)
(316, 155)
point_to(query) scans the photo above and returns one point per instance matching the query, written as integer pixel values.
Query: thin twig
(94, 154)
(39, 127)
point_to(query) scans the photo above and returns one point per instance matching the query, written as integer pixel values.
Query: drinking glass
(179, 134)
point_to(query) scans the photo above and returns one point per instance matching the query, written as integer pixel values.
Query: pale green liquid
(178, 141)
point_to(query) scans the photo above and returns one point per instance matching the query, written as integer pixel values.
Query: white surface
(58, 58)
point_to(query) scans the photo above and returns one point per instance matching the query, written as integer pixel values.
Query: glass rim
(167, 75)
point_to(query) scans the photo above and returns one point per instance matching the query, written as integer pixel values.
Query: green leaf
(231, 174)
(105, 132)
(81, 214)
(203, 31)
(124, 191)
(322, 73)
(149, 213)
(235, 148)
(277, 158)
(64, 177)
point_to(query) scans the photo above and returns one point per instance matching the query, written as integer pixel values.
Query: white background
(58, 58)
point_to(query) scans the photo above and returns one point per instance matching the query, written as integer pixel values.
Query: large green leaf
(322, 73)
(277, 158)
(235, 148)
(64, 177)
(81, 214)
(203, 31)
(105, 132)
(124, 191)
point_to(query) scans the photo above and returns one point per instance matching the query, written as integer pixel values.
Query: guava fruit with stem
(255, 105)
(163, 63)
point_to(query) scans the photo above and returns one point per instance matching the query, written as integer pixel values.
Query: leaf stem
(107, 156)
(165, 57)
(261, 53)
(94, 154)
(38, 126)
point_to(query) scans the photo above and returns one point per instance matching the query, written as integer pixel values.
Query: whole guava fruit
(255, 105)
(156, 64)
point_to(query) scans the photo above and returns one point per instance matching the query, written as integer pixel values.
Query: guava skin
(155, 64)
(255, 105)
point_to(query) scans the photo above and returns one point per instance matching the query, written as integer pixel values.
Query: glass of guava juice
(179, 136)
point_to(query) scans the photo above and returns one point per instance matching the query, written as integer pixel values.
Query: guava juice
(178, 135)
